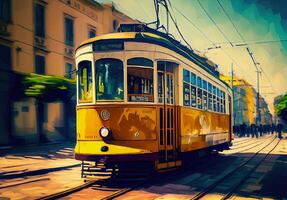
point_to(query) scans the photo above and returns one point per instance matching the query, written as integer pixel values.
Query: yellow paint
(126, 123)
(120, 35)
(115, 147)
(197, 126)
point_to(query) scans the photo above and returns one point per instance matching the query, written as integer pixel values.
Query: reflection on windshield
(109, 79)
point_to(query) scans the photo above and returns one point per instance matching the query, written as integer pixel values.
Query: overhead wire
(212, 42)
(175, 23)
(243, 39)
(213, 21)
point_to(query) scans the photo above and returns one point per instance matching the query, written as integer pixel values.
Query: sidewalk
(37, 170)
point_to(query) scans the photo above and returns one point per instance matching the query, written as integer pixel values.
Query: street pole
(232, 77)
(258, 116)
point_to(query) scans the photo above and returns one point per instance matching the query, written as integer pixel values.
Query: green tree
(281, 107)
(45, 89)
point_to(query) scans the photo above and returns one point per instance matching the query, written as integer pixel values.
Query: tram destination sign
(108, 46)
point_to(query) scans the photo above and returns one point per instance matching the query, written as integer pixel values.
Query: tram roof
(142, 33)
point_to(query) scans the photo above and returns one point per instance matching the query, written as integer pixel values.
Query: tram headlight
(105, 132)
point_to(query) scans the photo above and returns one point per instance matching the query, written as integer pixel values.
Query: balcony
(4, 28)
(69, 51)
(40, 42)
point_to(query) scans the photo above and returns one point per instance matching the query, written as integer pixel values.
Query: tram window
(186, 76)
(169, 87)
(193, 96)
(139, 61)
(199, 82)
(193, 78)
(204, 93)
(140, 84)
(224, 103)
(186, 94)
(109, 79)
(199, 98)
(209, 101)
(214, 100)
(218, 99)
(160, 86)
(209, 88)
(204, 84)
(85, 82)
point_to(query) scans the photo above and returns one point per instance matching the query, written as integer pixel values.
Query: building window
(5, 57)
(39, 16)
(68, 70)
(5, 11)
(69, 30)
(92, 32)
(39, 64)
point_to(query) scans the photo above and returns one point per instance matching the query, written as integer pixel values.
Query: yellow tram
(142, 97)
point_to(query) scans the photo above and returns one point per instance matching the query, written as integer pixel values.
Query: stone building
(244, 102)
(40, 36)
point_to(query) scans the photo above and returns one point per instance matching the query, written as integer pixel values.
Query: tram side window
(220, 102)
(193, 89)
(210, 96)
(204, 94)
(85, 79)
(218, 99)
(109, 79)
(140, 80)
(199, 93)
(214, 99)
(224, 103)
(186, 88)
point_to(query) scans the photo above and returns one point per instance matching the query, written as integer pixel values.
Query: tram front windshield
(109, 80)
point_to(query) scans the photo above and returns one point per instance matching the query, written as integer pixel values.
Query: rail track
(256, 159)
(113, 192)
(96, 188)
(250, 144)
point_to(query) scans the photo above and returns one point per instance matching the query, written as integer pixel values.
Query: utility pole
(258, 100)
(258, 115)
(232, 79)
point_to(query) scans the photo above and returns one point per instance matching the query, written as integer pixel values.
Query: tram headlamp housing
(105, 133)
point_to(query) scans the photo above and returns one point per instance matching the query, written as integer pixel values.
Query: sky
(205, 24)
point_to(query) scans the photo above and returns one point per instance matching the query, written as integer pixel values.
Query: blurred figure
(253, 130)
(279, 130)
(242, 130)
(260, 130)
(273, 128)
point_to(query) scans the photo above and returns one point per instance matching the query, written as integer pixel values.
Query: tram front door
(167, 114)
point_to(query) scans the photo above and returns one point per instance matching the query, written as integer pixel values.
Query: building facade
(40, 36)
(244, 102)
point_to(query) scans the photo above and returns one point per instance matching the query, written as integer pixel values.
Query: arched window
(140, 80)
(140, 61)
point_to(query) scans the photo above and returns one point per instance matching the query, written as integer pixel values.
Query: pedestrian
(279, 130)
(260, 130)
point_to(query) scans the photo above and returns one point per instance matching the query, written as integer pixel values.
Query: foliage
(281, 107)
(45, 88)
